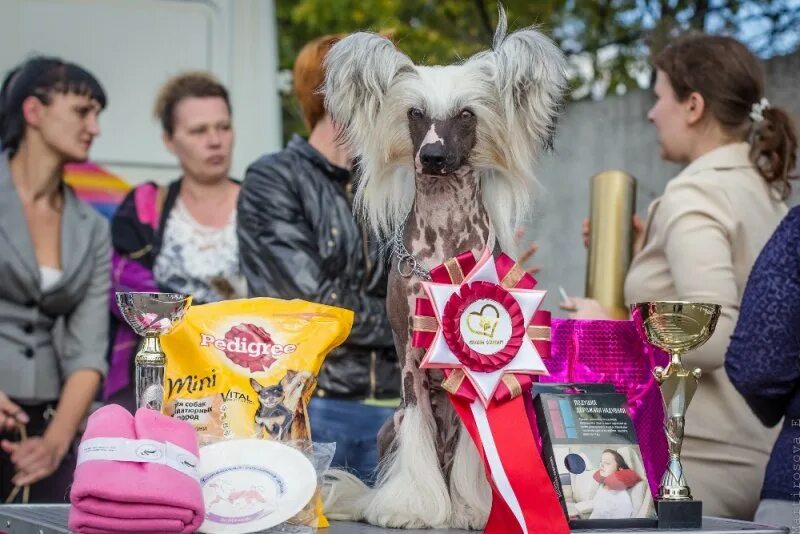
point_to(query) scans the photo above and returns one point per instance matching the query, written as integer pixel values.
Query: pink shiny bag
(612, 352)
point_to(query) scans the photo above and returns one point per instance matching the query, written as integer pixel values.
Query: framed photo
(593, 457)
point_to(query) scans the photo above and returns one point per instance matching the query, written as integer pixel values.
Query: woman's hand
(638, 233)
(528, 253)
(586, 229)
(10, 414)
(581, 308)
(38, 457)
(34, 459)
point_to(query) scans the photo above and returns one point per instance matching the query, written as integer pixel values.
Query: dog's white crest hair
(410, 491)
(470, 493)
(515, 90)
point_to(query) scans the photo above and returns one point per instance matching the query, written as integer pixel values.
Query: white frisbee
(251, 485)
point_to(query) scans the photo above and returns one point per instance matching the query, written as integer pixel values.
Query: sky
(751, 25)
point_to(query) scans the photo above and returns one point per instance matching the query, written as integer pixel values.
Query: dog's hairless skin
(447, 218)
(447, 154)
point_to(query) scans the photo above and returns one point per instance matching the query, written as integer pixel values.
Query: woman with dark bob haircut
(54, 264)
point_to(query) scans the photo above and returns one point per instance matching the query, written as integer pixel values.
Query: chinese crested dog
(447, 156)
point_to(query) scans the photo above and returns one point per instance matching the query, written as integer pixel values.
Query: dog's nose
(432, 157)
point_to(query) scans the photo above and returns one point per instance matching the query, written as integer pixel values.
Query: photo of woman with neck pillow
(612, 500)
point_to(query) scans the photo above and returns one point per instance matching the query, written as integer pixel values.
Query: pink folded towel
(118, 496)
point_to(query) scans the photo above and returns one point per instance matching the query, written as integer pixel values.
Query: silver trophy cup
(151, 315)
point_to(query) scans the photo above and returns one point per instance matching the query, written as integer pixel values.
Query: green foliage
(429, 31)
(609, 42)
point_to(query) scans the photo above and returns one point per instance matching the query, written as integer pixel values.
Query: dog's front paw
(406, 518)
(465, 517)
(470, 493)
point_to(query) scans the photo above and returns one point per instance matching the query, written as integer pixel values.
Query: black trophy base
(679, 514)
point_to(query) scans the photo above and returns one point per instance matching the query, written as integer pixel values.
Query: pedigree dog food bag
(247, 368)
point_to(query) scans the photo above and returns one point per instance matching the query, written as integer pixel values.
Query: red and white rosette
(480, 323)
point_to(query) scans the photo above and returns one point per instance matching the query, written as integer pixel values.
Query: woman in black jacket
(298, 239)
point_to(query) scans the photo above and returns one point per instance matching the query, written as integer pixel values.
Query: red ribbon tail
(501, 518)
(512, 441)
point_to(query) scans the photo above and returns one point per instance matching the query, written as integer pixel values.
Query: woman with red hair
(298, 239)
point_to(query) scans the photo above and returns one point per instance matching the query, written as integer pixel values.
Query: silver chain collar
(407, 264)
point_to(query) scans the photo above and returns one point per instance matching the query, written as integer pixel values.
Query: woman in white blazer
(54, 267)
(702, 238)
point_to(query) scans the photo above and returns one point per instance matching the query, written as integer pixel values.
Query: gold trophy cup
(676, 327)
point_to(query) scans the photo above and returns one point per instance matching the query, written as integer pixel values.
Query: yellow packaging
(247, 368)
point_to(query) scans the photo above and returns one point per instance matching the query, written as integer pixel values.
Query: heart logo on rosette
(484, 322)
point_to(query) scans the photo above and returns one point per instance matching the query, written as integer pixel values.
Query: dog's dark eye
(414, 113)
(467, 114)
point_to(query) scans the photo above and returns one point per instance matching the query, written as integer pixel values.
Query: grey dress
(33, 361)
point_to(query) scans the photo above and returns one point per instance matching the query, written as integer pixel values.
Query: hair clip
(757, 110)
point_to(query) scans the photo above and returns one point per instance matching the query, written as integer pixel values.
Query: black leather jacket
(298, 239)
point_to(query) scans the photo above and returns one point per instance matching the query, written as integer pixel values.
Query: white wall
(134, 46)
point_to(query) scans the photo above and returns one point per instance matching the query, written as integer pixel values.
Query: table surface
(52, 519)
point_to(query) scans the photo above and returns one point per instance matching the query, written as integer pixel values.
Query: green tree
(429, 31)
(608, 42)
(611, 41)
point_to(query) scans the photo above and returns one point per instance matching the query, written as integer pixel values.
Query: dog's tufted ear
(359, 70)
(530, 74)
(255, 385)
